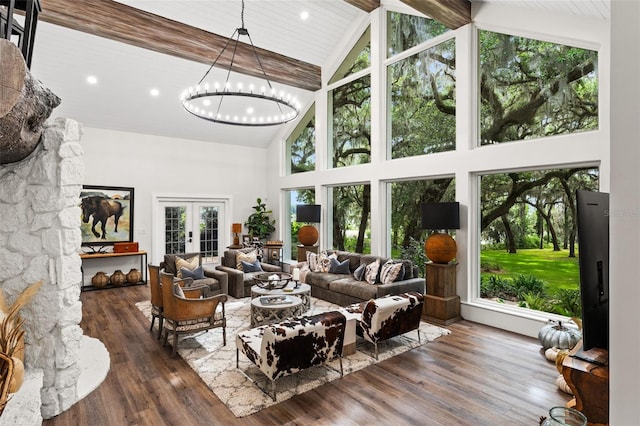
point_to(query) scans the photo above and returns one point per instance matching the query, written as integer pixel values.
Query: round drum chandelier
(238, 104)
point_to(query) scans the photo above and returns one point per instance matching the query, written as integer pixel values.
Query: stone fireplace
(39, 240)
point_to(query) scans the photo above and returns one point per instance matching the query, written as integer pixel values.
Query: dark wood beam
(366, 5)
(452, 13)
(116, 21)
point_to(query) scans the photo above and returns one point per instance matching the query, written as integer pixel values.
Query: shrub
(567, 303)
(414, 252)
(490, 267)
(495, 286)
(535, 301)
(528, 284)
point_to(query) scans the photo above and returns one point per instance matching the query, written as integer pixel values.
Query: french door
(191, 226)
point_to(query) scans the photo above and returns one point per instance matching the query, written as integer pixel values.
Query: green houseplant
(259, 223)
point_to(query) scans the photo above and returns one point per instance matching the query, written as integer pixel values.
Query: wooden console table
(589, 382)
(93, 256)
(441, 303)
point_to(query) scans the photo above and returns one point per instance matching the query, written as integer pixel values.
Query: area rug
(216, 364)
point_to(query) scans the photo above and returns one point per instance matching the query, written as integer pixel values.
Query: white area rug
(216, 364)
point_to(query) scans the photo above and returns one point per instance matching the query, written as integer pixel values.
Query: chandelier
(238, 104)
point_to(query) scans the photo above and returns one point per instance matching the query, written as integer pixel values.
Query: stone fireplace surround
(40, 240)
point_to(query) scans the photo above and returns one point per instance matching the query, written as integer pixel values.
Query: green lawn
(555, 268)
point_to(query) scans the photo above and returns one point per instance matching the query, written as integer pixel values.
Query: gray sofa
(345, 289)
(240, 282)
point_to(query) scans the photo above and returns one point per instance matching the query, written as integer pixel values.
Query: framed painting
(107, 214)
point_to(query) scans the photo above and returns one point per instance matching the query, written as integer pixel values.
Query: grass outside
(555, 268)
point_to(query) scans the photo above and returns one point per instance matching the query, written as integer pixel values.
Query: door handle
(190, 236)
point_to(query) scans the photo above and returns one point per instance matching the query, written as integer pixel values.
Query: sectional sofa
(344, 286)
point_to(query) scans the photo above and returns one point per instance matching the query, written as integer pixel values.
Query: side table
(442, 304)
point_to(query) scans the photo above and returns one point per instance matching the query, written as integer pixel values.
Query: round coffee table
(303, 291)
(266, 313)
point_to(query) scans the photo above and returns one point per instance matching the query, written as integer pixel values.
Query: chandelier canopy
(239, 104)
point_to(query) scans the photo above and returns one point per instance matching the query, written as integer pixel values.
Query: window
(295, 197)
(406, 31)
(358, 59)
(405, 231)
(351, 205)
(421, 91)
(532, 89)
(528, 238)
(301, 144)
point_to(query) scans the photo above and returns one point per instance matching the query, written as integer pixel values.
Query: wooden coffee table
(265, 313)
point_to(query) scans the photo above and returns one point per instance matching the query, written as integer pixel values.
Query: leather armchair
(186, 315)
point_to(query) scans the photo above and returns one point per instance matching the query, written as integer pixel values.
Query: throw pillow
(337, 267)
(358, 274)
(371, 272)
(178, 290)
(390, 272)
(189, 264)
(196, 274)
(312, 261)
(249, 257)
(324, 261)
(251, 267)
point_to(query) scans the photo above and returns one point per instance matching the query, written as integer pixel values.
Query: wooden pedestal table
(441, 303)
(302, 252)
(589, 382)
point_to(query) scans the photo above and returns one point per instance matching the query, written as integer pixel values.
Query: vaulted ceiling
(133, 46)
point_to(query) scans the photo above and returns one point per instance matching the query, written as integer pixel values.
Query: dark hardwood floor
(478, 375)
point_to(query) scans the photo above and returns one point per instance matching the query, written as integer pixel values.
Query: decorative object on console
(134, 276)
(125, 247)
(9, 27)
(247, 106)
(118, 278)
(100, 280)
(99, 204)
(440, 247)
(308, 213)
(236, 228)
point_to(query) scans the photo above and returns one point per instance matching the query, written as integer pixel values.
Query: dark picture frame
(246, 240)
(100, 206)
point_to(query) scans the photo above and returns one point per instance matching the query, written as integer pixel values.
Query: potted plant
(259, 223)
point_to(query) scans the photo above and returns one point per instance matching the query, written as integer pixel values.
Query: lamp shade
(236, 228)
(308, 213)
(441, 215)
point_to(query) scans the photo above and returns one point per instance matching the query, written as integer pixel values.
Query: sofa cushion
(337, 267)
(169, 264)
(321, 279)
(189, 264)
(196, 274)
(249, 257)
(371, 272)
(390, 271)
(358, 274)
(251, 267)
(320, 262)
(353, 288)
(354, 259)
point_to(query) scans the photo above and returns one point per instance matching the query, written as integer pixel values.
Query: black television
(593, 257)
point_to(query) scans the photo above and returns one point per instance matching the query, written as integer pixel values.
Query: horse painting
(101, 209)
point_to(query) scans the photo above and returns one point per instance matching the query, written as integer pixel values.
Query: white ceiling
(63, 59)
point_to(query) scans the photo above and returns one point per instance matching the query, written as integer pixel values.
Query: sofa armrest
(404, 286)
(235, 281)
(267, 267)
(220, 276)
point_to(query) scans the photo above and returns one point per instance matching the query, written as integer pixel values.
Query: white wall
(161, 165)
(624, 316)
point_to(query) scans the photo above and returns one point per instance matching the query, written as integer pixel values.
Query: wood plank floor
(478, 375)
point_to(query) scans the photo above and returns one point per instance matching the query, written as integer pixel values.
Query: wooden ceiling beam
(451, 13)
(366, 5)
(116, 21)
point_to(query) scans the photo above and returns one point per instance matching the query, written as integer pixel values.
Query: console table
(86, 257)
(441, 303)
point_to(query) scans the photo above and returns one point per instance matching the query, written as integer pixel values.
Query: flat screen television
(593, 255)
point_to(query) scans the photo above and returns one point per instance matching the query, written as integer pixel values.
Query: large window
(532, 88)
(406, 234)
(528, 238)
(295, 197)
(406, 31)
(351, 217)
(350, 109)
(301, 144)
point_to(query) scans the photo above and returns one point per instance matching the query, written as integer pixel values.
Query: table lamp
(440, 247)
(236, 228)
(308, 213)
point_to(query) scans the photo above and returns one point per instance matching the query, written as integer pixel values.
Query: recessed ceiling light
(92, 79)
(304, 15)
(154, 92)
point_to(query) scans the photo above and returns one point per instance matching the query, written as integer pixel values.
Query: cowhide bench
(290, 346)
